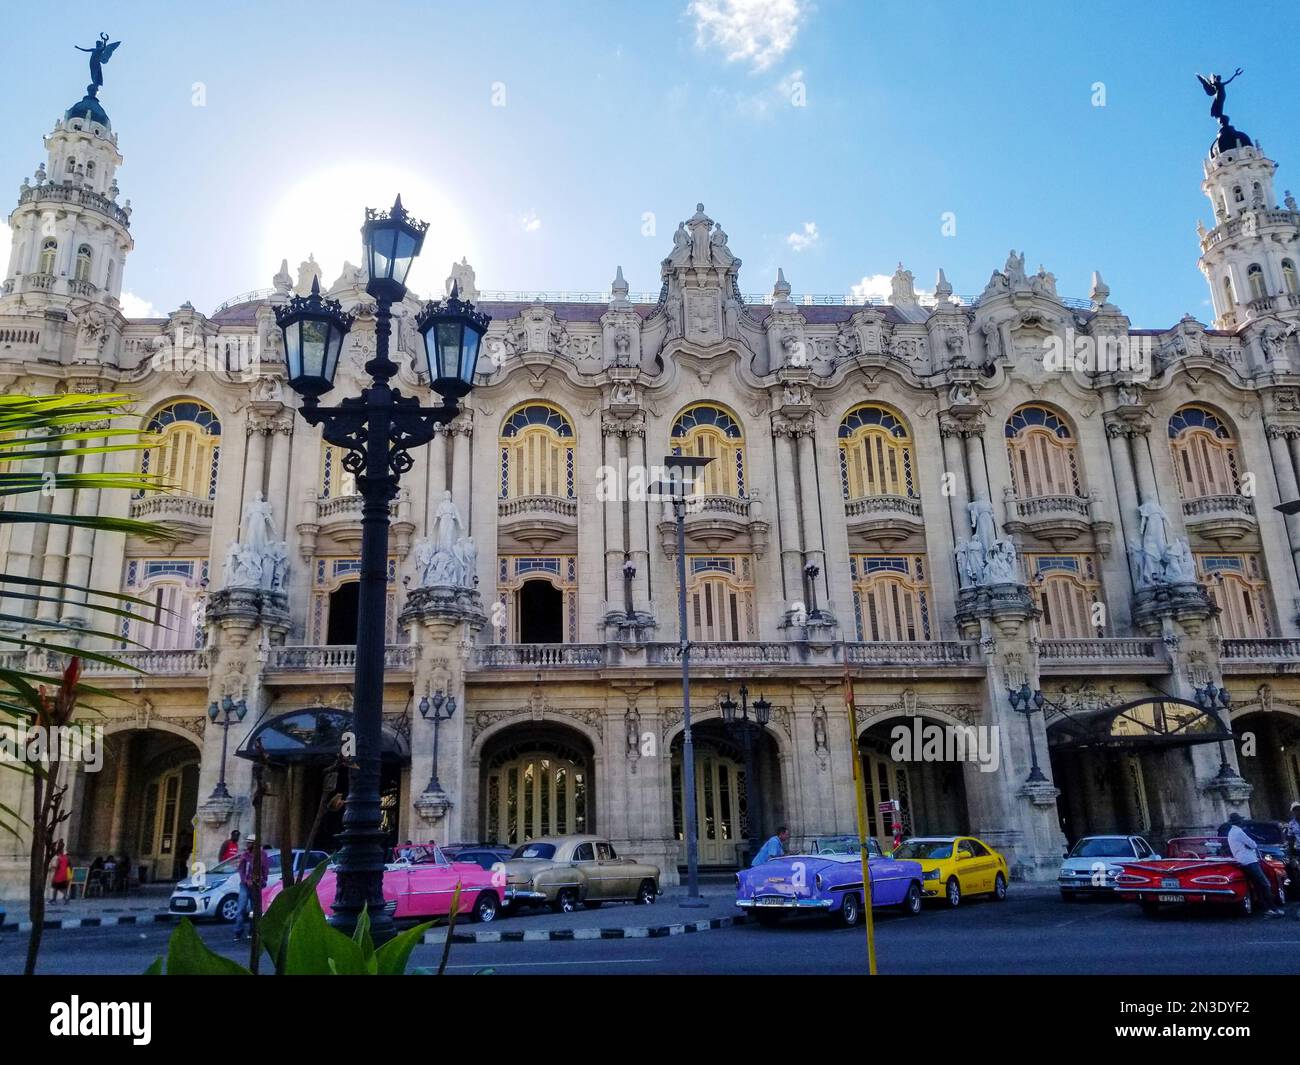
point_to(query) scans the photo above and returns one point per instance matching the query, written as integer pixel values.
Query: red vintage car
(1196, 869)
(420, 882)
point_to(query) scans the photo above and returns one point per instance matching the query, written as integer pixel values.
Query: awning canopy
(314, 735)
(1161, 721)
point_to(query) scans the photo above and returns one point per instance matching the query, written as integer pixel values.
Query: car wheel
(953, 892)
(485, 908)
(850, 911)
(1000, 888)
(912, 902)
(1247, 906)
(592, 905)
(566, 901)
(646, 893)
(768, 918)
(228, 910)
(1068, 896)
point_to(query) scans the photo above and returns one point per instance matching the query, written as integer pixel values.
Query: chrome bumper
(1174, 891)
(784, 902)
(512, 894)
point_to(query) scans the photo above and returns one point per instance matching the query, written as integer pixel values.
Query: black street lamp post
(432, 709)
(377, 430)
(682, 471)
(1212, 699)
(1027, 702)
(229, 707)
(749, 732)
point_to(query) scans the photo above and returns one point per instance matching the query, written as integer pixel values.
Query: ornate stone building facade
(939, 497)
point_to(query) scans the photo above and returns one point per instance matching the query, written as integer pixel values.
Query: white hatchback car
(215, 892)
(1091, 865)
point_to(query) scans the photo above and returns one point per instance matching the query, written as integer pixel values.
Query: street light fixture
(376, 430)
(229, 706)
(682, 474)
(1211, 699)
(431, 709)
(1026, 701)
(748, 731)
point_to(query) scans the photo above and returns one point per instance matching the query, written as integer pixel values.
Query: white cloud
(805, 239)
(134, 306)
(873, 286)
(757, 32)
(530, 222)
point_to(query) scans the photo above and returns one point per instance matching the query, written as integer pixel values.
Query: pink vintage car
(420, 882)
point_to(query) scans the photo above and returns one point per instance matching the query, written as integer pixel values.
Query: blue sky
(619, 116)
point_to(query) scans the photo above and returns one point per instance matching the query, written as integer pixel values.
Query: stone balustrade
(336, 658)
(79, 196)
(1042, 506)
(1281, 649)
(1104, 649)
(165, 507)
(555, 505)
(924, 653)
(176, 661)
(870, 506)
(1203, 506)
(539, 656)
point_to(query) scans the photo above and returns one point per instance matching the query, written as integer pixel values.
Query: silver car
(214, 893)
(1091, 865)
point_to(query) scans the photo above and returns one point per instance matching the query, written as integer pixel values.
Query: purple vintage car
(828, 882)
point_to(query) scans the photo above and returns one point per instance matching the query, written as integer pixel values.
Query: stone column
(121, 781)
(787, 504)
(638, 517)
(83, 541)
(955, 464)
(976, 466)
(254, 460)
(1121, 461)
(460, 469)
(280, 440)
(810, 506)
(56, 540)
(612, 511)
(19, 561)
(437, 476)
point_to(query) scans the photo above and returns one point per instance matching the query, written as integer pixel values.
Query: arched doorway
(541, 612)
(536, 781)
(931, 794)
(731, 816)
(1268, 753)
(342, 623)
(141, 804)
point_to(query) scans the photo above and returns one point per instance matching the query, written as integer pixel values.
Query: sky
(551, 142)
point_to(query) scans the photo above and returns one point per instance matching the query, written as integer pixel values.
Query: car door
(584, 860)
(613, 873)
(972, 873)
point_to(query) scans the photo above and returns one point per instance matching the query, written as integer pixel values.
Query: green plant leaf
(393, 956)
(156, 969)
(314, 948)
(188, 955)
(279, 916)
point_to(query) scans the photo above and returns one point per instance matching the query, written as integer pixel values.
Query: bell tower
(70, 236)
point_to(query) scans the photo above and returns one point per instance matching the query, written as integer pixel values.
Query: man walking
(252, 877)
(773, 848)
(1245, 851)
(230, 847)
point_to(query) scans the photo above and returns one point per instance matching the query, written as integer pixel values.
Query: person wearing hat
(252, 877)
(1245, 851)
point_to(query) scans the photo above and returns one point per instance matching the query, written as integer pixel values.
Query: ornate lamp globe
(728, 705)
(452, 331)
(392, 240)
(762, 711)
(313, 329)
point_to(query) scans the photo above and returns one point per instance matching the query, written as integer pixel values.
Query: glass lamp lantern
(762, 711)
(313, 328)
(728, 707)
(392, 240)
(453, 334)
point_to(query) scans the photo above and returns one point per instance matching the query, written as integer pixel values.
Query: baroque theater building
(940, 498)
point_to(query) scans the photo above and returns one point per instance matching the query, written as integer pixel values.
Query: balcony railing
(336, 658)
(1204, 506)
(1042, 506)
(552, 505)
(174, 662)
(872, 506)
(163, 507)
(1103, 649)
(920, 653)
(540, 656)
(670, 654)
(1281, 649)
(347, 508)
(79, 196)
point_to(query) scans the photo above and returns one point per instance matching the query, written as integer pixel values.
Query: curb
(90, 922)
(555, 935)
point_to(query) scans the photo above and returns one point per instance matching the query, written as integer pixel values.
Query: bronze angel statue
(1215, 86)
(100, 54)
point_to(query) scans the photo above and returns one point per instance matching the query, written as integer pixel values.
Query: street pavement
(1032, 932)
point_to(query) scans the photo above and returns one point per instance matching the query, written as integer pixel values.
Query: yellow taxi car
(953, 867)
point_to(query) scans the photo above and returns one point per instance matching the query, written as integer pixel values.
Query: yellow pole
(860, 790)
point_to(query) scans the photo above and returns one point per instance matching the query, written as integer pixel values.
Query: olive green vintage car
(564, 872)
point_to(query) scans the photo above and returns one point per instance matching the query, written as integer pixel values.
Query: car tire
(486, 908)
(592, 905)
(850, 912)
(912, 901)
(646, 893)
(1068, 896)
(768, 918)
(1000, 888)
(952, 893)
(566, 901)
(1246, 908)
(228, 909)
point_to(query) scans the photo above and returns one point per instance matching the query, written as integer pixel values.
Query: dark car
(1268, 834)
(485, 855)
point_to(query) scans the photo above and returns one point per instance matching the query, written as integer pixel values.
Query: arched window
(90, 170)
(1289, 280)
(83, 263)
(335, 481)
(174, 589)
(538, 597)
(891, 598)
(875, 454)
(720, 598)
(537, 444)
(706, 431)
(1236, 586)
(187, 450)
(1229, 296)
(1041, 449)
(1255, 278)
(70, 166)
(49, 251)
(1204, 453)
(334, 601)
(1237, 195)
(1066, 590)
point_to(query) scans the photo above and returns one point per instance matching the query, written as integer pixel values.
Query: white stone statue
(423, 552)
(718, 250)
(980, 512)
(258, 528)
(1001, 565)
(467, 558)
(1015, 270)
(1179, 566)
(447, 528)
(681, 253)
(970, 562)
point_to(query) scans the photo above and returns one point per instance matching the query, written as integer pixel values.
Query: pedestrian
(1245, 851)
(62, 873)
(230, 847)
(773, 848)
(407, 851)
(252, 877)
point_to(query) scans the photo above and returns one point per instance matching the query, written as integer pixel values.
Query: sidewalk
(145, 905)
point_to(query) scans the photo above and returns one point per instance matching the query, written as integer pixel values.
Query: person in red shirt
(62, 873)
(230, 847)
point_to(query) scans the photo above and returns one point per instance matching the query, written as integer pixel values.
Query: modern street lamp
(748, 731)
(1211, 699)
(1027, 702)
(432, 709)
(682, 474)
(229, 708)
(377, 431)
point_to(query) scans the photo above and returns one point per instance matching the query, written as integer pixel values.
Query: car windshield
(1103, 847)
(925, 848)
(1213, 847)
(535, 850)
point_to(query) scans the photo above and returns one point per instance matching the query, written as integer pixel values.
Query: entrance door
(719, 794)
(342, 626)
(167, 831)
(886, 779)
(538, 793)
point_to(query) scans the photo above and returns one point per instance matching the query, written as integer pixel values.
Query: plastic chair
(78, 882)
